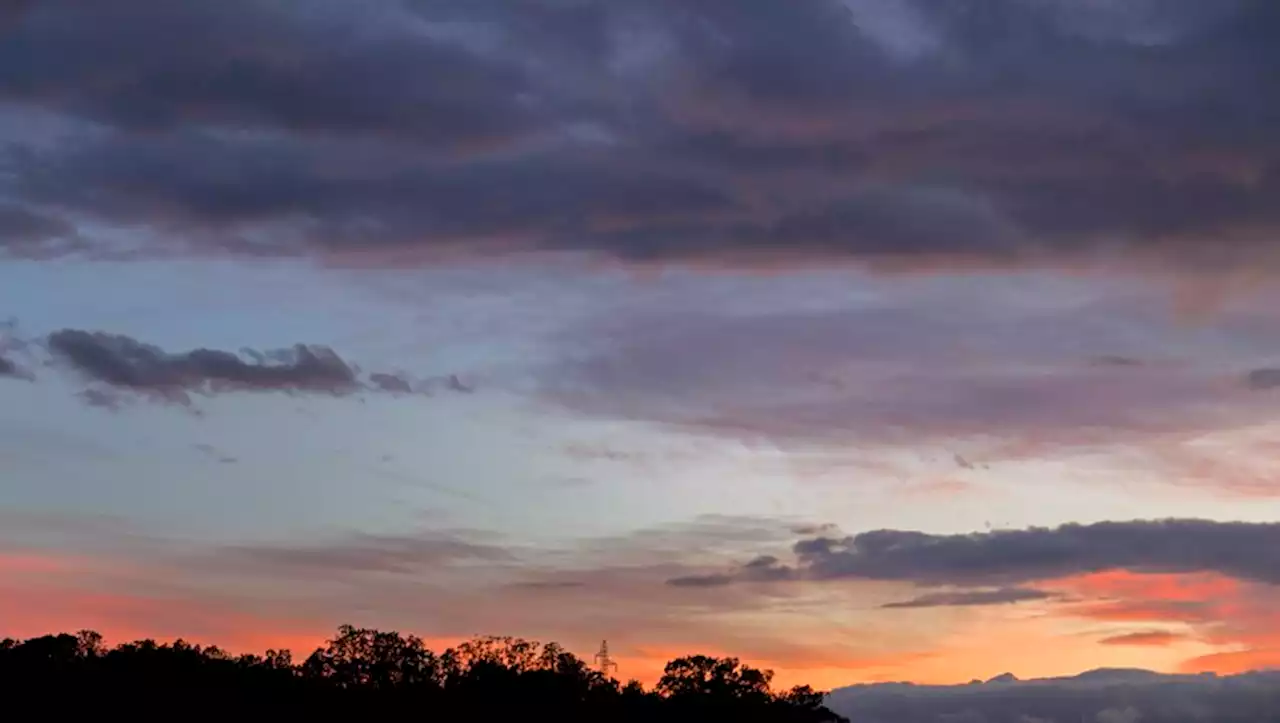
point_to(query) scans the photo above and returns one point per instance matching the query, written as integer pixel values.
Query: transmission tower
(605, 664)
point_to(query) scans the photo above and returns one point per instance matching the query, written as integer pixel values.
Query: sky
(864, 340)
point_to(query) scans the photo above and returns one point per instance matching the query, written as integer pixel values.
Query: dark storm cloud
(971, 598)
(20, 225)
(985, 130)
(328, 67)
(12, 12)
(323, 194)
(124, 364)
(1006, 557)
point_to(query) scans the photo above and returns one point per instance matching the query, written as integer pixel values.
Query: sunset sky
(864, 340)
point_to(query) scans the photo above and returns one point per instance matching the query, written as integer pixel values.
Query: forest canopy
(369, 674)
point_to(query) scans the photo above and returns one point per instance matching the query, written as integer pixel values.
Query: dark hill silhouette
(368, 675)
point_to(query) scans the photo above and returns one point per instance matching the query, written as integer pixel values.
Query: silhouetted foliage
(369, 675)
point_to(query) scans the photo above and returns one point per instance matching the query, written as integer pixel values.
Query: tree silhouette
(364, 674)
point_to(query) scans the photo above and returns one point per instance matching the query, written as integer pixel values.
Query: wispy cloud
(1155, 638)
(363, 553)
(971, 598)
(948, 366)
(444, 584)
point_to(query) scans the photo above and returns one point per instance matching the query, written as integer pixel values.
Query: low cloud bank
(1100, 696)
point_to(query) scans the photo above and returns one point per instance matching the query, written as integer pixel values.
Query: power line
(605, 664)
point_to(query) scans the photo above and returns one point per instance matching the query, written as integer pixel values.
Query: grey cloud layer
(1006, 557)
(994, 130)
(940, 363)
(363, 554)
(22, 226)
(1099, 696)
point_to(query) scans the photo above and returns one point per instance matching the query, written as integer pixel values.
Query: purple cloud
(124, 365)
(1006, 557)
(908, 133)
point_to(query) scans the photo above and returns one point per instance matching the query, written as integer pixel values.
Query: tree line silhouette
(370, 675)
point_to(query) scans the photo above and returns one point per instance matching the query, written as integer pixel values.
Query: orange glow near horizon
(1165, 622)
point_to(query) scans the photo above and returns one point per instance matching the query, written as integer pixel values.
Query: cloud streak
(971, 598)
(441, 583)
(956, 366)
(1152, 638)
(364, 553)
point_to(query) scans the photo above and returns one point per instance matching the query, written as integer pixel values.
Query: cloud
(971, 598)
(1155, 638)
(1115, 360)
(450, 584)
(12, 11)
(716, 580)
(21, 226)
(363, 554)
(103, 399)
(328, 69)
(123, 362)
(1263, 379)
(1233, 549)
(440, 583)
(1232, 614)
(215, 454)
(904, 132)
(11, 343)
(1105, 696)
(391, 383)
(956, 366)
(9, 368)
(124, 365)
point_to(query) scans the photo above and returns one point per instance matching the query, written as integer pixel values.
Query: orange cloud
(1125, 585)
(1233, 662)
(18, 563)
(1152, 638)
(1224, 612)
